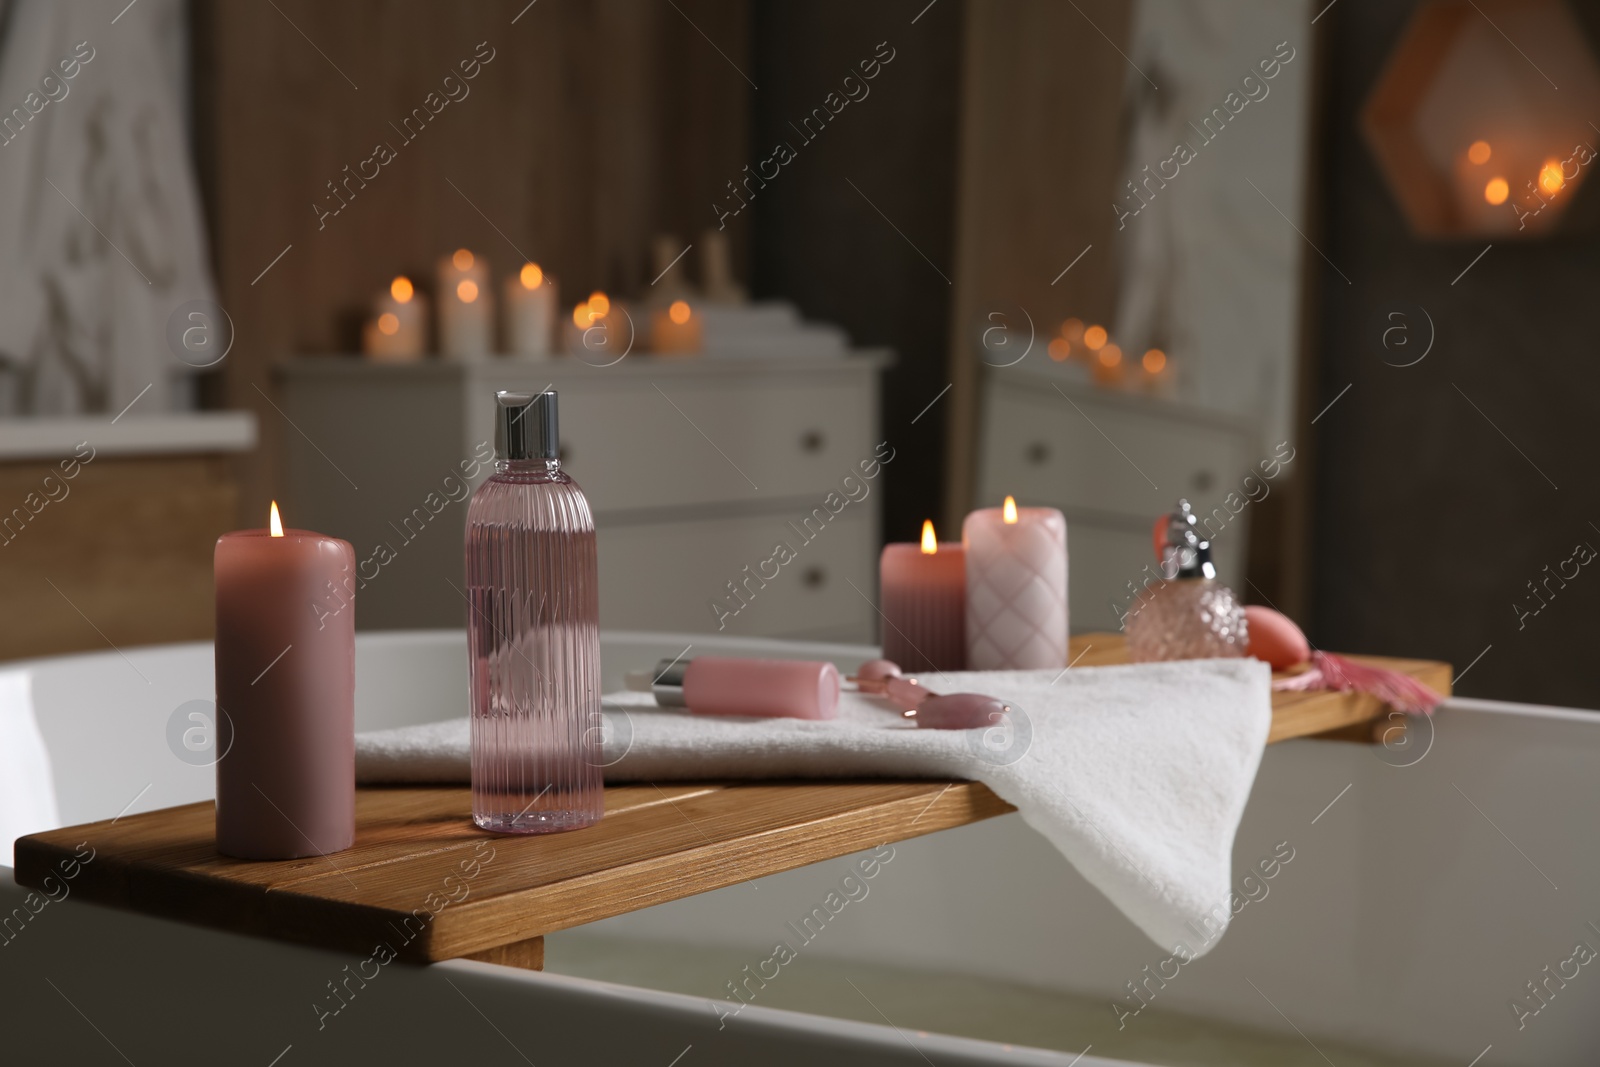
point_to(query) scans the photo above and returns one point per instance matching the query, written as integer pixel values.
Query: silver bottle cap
(1185, 554)
(525, 425)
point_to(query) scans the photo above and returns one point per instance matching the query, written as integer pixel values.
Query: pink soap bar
(768, 688)
(286, 679)
(1275, 638)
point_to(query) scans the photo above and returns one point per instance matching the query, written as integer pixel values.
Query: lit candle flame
(679, 312)
(274, 522)
(467, 290)
(1009, 512)
(1550, 177)
(581, 315)
(401, 289)
(462, 259)
(930, 543)
(1496, 191)
(599, 304)
(532, 276)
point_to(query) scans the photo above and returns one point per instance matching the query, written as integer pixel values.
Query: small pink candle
(285, 658)
(923, 590)
(1016, 588)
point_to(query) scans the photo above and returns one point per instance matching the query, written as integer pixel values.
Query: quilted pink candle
(286, 683)
(922, 590)
(1016, 588)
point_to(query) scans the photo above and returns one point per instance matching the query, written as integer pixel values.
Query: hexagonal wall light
(1480, 120)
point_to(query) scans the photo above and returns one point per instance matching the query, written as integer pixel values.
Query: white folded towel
(1137, 774)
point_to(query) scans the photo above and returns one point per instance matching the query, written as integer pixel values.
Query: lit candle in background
(1016, 588)
(1550, 177)
(285, 673)
(922, 590)
(466, 307)
(1108, 366)
(676, 328)
(591, 334)
(530, 312)
(398, 330)
(1155, 371)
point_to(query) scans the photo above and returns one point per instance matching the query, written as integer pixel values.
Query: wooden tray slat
(655, 844)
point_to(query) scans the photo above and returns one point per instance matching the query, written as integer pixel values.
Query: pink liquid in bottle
(533, 633)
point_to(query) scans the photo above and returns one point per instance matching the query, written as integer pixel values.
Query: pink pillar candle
(923, 594)
(285, 658)
(1016, 588)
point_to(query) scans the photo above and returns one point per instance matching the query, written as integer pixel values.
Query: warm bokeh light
(679, 312)
(401, 289)
(1153, 361)
(531, 275)
(1110, 356)
(1094, 337)
(462, 259)
(581, 316)
(467, 290)
(1060, 349)
(389, 323)
(1550, 177)
(274, 523)
(1009, 512)
(599, 304)
(1072, 330)
(1479, 152)
(1496, 191)
(930, 543)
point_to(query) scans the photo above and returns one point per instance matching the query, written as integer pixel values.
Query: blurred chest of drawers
(696, 468)
(1112, 462)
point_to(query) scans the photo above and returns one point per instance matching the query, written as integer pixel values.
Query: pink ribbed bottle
(533, 633)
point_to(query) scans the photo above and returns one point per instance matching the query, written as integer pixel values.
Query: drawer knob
(1038, 453)
(814, 577)
(812, 441)
(1204, 480)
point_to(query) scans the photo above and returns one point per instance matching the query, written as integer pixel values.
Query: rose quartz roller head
(930, 711)
(766, 688)
(958, 711)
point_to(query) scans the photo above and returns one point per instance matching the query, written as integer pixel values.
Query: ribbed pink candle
(924, 603)
(286, 681)
(1016, 588)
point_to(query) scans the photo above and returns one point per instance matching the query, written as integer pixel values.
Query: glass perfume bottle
(533, 633)
(1190, 615)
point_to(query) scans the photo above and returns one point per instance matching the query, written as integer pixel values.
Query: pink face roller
(724, 685)
(929, 710)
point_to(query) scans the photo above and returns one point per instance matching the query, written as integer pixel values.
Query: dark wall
(1442, 489)
(818, 242)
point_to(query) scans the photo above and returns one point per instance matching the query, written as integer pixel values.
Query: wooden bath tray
(422, 880)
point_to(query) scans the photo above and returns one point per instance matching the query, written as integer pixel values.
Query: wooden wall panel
(122, 558)
(594, 126)
(1040, 152)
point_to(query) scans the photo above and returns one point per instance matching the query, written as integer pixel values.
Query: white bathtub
(1420, 901)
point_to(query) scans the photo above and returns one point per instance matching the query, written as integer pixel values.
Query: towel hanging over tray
(1137, 774)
